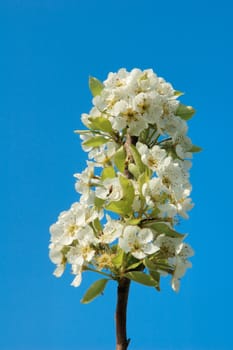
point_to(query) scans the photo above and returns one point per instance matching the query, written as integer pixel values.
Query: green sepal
(95, 86)
(119, 159)
(95, 289)
(100, 123)
(185, 112)
(108, 173)
(195, 149)
(95, 141)
(161, 227)
(142, 278)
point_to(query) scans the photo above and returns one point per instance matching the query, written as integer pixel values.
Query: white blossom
(153, 157)
(139, 242)
(112, 230)
(110, 190)
(183, 252)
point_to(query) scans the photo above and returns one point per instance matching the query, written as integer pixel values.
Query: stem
(124, 283)
(121, 311)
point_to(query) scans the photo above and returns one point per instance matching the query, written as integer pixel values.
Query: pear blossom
(153, 157)
(112, 230)
(183, 252)
(110, 190)
(77, 271)
(139, 242)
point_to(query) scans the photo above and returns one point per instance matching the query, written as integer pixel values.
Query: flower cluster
(138, 169)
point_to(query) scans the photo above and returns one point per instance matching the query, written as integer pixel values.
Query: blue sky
(48, 50)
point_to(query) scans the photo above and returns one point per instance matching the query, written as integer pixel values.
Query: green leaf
(150, 265)
(133, 221)
(152, 271)
(95, 289)
(108, 173)
(119, 159)
(142, 278)
(161, 228)
(95, 141)
(143, 178)
(124, 205)
(99, 203)
(116, 207)
(100, 123)
(185, 112)
(118, 259)
(97, 225)
(137, 158)
(128, 191)
(96, 86)
(195, 149)
(154, 267)
(134, 265)
(134, 170)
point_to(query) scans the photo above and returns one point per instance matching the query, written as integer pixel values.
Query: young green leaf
(142, 278)
(95, 141)
(118, 259)
(120, 207)
(149, 265)
(95, 289)
(185, 112)
(161, 227)
(134, 265)
(133, 221)
(108, 173)
(100, 123)
(134, 170)
(124, 205)
(99, 203)
(152, 271)
(137, 159)
(155, 266)
(97, 225)
(96, 86)
(119, 159)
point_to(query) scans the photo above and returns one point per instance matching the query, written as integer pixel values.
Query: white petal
(77, 280)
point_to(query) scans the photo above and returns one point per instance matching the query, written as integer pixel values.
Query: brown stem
(124, 283)
(121, 312)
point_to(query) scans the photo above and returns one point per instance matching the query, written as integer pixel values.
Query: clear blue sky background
(48, 50)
